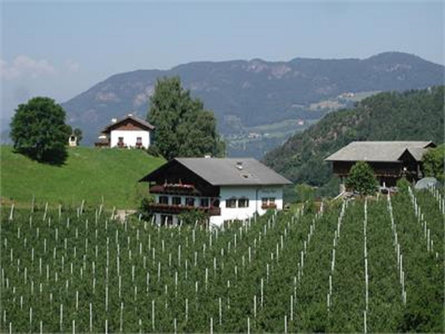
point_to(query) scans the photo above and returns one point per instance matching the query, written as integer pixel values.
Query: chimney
(113, 120)
(239, 165)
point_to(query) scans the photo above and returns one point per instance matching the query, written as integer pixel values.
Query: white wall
(130, 137)
(254, 194)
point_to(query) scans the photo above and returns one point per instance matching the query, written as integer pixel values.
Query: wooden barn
(390, 160)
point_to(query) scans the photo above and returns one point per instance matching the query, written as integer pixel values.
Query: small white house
(225, 188)
(129, 132)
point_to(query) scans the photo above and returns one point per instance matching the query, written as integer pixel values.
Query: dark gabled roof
(380, 151)
(228, 171)
(144, 124)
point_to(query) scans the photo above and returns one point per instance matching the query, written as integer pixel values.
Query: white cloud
(24, 66)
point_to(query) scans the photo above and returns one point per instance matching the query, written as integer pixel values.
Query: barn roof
(382, 151)
(228, 171)
(141, 122)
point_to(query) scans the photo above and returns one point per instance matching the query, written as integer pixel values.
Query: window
(138, 142)
(205, 202)
(268, 203)
(190, 201)
(176, 200)
(163, 199)
(231, 203)
(243, 203)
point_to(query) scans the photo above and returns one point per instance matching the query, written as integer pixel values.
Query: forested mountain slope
(246, 94)
(411, 115)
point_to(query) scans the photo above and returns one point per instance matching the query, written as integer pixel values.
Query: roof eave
(355, 160)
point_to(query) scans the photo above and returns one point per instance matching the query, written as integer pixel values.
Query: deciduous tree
(38, 130)
(362, 179)
(433, 162)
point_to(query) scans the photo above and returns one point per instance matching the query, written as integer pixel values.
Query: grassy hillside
(412, 115)
(89, 174)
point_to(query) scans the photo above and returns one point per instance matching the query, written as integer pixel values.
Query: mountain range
(258, 104)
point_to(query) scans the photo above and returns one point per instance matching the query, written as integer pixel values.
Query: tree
(433, 162)
(361, 179)
(38, 130)
(76, 132)
(304, 192)
(182, 126)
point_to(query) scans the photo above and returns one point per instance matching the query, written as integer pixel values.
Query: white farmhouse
(225, 188)
(129, 132)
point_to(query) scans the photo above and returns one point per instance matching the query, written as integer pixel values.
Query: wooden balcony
(176, 209)
(176, 189)
(267, 206)
(102, 143)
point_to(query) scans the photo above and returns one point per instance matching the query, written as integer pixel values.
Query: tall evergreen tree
(182, 126)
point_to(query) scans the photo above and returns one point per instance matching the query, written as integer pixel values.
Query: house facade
(129, 132)
(390, 160)
(225, 189)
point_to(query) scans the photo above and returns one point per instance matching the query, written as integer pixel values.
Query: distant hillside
(247, 95)
(89, 174)
(412, 115)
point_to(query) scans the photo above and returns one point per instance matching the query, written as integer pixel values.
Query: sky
(60, 49)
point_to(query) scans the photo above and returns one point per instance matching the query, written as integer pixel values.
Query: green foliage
(153, 150)
(183, 127)
(329, 189)
(78, 133)
(362, 179)
(166, 274)
(88, 174)
(412, 115)
(144, 209)
(433, 162)
(403, 184)
(192, 217)
(310, 207)
(304, 192)
(38, 130)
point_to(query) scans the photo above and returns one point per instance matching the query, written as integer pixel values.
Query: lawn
(89, 174)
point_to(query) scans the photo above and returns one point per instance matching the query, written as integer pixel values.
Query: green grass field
(88, 174)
